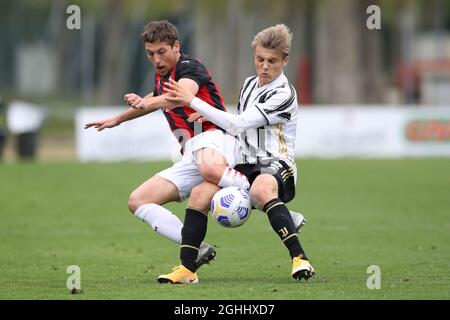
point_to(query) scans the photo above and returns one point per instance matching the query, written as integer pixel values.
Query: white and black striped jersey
(277, 102)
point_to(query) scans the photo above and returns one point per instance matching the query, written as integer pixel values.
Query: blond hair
(275, 37)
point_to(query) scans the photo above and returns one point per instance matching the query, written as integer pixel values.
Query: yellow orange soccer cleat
(179, 275)
(301, 269)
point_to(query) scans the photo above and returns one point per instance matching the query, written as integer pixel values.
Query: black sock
(281, 221)
(193, 233)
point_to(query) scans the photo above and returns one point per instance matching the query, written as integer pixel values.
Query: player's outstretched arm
(102, 124)
(130, 114)
(132, 100)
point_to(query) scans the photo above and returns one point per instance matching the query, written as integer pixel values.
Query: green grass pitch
(391, 213)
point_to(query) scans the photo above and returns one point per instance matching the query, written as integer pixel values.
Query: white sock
(161, 220)
(233, 178)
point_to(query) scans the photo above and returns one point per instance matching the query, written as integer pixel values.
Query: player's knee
(259, 194)
(211, 172)
(134, 201)
(263, 191)
(199, 199)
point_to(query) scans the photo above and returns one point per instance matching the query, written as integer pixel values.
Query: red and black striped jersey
(191, 68)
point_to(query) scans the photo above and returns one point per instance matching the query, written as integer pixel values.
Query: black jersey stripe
(248, 97)
(269, 93)
(245, 145)
(240, 94)
(251, 150)
(284, 115)
(247, 85)
(170, 121)
(259, 109)
(261, 131)
(266, 96)
(284, 105)
(183, 115)
(261, 94)
(215, 96)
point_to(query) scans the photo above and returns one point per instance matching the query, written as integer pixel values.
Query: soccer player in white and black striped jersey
(266, 127)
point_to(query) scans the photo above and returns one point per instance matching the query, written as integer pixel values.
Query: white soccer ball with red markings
(231, 207)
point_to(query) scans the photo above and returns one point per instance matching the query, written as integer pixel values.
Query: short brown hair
(160, 31)
(275, 37)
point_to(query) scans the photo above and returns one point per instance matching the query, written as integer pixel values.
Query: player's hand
(132, 100)
(141, 104)
(196, 117)
(178, 94)
(102, 124)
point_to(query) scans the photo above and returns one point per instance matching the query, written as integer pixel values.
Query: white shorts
(184, 174)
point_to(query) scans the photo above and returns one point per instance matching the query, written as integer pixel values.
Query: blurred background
(48, 72)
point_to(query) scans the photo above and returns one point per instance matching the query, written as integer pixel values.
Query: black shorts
(278, 169)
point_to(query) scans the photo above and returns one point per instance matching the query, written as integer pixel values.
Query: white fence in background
(145, 138)
(325, 131)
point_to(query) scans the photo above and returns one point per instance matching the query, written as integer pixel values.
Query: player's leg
(145, 203)
(156, 190)
(216, 155)
(265, 190)
(195, 223)
(213, 167)
(193, 233)
(171, 184)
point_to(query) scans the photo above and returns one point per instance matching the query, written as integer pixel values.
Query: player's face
(163, 56)
(269, 64)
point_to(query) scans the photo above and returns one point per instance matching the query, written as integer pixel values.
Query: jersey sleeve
(234, 124)
(194, 70)
(278, 105)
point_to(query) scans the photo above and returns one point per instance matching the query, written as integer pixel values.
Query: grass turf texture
(390, 213)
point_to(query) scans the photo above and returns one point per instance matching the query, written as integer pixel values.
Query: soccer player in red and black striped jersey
(186, 70)
(208, 155)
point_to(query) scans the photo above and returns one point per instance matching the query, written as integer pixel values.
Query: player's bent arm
(251, 118)
(160, 102)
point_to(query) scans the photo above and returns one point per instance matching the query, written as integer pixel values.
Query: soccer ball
(231, 207)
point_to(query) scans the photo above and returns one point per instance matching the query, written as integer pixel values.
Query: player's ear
(176, 46)
(285, 61)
